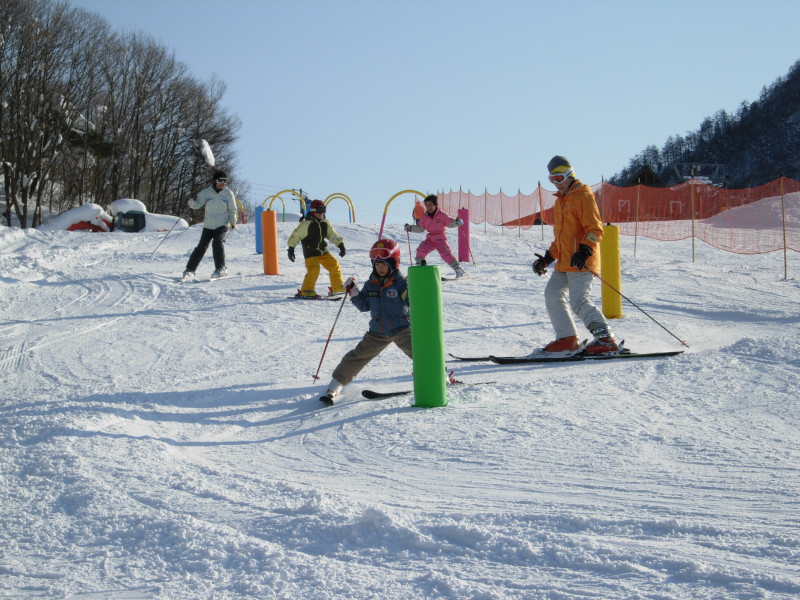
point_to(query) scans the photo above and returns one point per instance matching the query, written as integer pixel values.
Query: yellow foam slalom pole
(427, 335)
(612, 272)
(269, 232)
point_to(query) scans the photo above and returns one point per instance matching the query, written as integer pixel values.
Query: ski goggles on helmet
(221, 180)
(319, 209)
(560, 177)
(380, 254)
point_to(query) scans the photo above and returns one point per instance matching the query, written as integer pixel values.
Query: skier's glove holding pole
(579, 258)
(540, 264)
(350, 286)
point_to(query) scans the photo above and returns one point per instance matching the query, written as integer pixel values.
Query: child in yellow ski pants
(331, 265)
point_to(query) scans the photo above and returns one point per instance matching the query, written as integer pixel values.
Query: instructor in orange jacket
(576, 248)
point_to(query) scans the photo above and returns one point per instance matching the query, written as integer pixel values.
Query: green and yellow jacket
(312, 233)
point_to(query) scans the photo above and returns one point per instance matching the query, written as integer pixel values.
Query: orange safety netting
(746, 221)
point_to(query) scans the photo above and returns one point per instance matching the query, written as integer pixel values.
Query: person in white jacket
(220, 214)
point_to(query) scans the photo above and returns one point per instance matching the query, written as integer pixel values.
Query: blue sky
(368, 98)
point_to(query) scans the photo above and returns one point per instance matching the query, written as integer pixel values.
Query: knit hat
(559, 165)
(219, 175)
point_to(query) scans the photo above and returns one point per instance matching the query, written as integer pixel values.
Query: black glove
(291, 253)
(579, 258)
(342, 251)
(541, 263)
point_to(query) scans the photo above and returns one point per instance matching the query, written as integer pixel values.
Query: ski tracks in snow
(81, 308)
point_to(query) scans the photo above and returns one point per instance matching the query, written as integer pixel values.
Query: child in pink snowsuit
(435, 222)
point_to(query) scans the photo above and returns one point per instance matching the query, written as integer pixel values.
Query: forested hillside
(755, 145)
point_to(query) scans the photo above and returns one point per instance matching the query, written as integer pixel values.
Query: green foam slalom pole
(427, 335)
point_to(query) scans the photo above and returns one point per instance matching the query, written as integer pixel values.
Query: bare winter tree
(207, 119)
(195, 113)
(154, 116)
(73, 179)
(41, 76)
(87, 116)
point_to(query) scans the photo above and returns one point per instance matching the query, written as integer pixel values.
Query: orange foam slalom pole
(269, 232)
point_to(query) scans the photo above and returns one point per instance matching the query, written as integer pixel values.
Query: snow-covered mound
(124, 205)
(92, 217)
(91, 214)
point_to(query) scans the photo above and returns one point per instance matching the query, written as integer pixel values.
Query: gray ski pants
(566, 293)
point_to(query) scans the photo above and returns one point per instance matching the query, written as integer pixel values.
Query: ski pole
(683, 343)
(325, 349)
(170, 231)
(410, 260)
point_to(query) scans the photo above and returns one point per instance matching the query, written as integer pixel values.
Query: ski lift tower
(711, 173)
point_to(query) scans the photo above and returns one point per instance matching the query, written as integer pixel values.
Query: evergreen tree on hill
(754, 146)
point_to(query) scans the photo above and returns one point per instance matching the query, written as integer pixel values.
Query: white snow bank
(88, 213)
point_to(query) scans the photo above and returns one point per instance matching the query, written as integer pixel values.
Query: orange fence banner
(745, 221)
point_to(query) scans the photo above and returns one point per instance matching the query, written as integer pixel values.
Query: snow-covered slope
(164, 440)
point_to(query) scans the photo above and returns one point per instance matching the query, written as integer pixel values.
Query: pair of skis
(331, 296)
(195, 279)
(579, 356)
(375, 395)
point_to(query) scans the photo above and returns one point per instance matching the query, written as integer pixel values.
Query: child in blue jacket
(385, 296)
